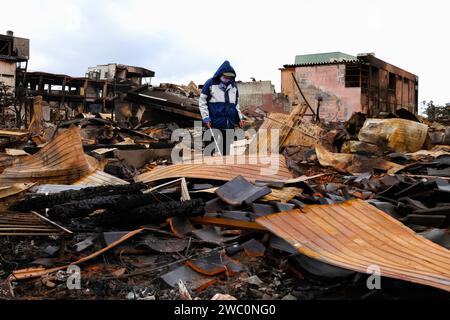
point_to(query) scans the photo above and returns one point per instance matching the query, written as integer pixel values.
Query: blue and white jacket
(220, 106)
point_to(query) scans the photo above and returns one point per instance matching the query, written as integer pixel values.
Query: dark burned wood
(91, 147)
(151, 214)
(48, 201)
(82, 208)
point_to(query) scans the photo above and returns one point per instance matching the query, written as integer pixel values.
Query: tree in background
(435, 112)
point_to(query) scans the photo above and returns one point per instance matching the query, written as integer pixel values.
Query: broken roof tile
(238, 191)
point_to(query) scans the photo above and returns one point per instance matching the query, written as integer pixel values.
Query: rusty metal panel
(354, 163)
(396, 135)
(251, 167)
(27, 224)
(99, 178)
(14, 189)
(62, 161)
(355, 235)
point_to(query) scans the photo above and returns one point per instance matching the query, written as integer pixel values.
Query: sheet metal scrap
(99, 178)
(28, 224)
(355, 235)
(353, 163)
(14, 133)
(225, 168)
(228, 223)
(238, 191)
(14, 189)
(60, 161)
(284, 195)
(398, 135)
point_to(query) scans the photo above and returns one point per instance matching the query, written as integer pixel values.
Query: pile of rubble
(91, 209)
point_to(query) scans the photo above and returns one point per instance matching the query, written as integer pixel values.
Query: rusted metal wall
(388, 87)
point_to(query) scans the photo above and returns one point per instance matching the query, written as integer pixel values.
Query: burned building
(254, 95)
(338, 84)
(14, 55)
(121, 73)
(101, 91)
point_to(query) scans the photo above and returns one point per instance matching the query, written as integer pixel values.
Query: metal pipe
(304, 98)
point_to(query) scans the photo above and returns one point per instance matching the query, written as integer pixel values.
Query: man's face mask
(225, 80)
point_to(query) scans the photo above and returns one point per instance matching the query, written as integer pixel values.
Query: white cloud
(183, 40)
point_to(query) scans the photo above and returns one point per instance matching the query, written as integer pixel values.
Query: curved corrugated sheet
(100, 178)
(251, 167)
(62, 161)
(355, 235)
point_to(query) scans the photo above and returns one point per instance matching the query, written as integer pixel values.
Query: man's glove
(207, 122)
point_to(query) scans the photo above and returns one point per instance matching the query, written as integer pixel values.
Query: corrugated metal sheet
(14, 189)
(13, 133)
(323, 57)
(354, 163)
(356, 235)
(26, 224)
(284, 194)
(99, 178)
(62, 161)
(396, 135)
(251, 167)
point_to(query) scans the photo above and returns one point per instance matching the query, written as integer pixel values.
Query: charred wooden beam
(151, 214)
(48, 201)
(75, 209)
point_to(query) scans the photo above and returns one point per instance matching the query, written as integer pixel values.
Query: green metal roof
(321, 58)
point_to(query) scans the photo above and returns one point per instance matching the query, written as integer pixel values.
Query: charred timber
(48, 201)
(76, 209)
(151, 214)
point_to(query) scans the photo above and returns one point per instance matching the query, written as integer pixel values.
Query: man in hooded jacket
(219, 104)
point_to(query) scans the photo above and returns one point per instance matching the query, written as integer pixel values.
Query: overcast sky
(187, 40)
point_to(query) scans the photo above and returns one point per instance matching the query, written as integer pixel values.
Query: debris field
(94, 209)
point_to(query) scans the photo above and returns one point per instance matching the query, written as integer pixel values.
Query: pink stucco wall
(328, 81)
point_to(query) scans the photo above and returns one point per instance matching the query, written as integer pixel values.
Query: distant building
(341, 84)
(120, 72)
(261, 95)
(101, 86)
(14, 55)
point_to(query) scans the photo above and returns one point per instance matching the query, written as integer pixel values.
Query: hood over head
(224, 67)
